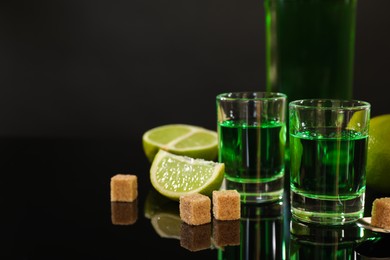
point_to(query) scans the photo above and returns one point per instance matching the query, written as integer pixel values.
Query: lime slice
(181, 139)
(175, 175)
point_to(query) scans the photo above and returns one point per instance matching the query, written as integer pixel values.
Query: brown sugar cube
(226, 204)
(124, 213)
(380, 213)
(195, 209)
(124, 187)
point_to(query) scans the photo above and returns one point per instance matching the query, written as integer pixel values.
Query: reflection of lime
(189, 140)
(164, 214)
(175, 175)
(157, 203)
(378, 158)
(167, 225)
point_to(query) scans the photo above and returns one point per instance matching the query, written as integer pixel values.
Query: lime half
(175, 175)
(181, 139)
(378, 157)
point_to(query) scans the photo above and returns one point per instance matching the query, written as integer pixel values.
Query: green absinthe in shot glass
(328, 173)
(252, 153)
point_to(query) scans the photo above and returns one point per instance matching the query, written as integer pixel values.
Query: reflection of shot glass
(252, 135)
(328, 151)
(262, 233)
(312, 241)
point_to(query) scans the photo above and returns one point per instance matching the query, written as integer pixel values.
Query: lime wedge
(181, 139)
(176, 175)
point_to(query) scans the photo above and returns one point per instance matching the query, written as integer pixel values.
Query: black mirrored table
(55, 200)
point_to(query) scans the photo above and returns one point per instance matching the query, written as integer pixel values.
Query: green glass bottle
(310, 47)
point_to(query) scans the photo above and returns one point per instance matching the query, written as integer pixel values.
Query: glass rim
(330, 104)
(251, 95)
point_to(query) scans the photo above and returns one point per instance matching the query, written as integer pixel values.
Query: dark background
(117, 68)
(73, 70)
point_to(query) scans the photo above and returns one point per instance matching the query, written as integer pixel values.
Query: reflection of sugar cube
(124, 187)
(226, 204)
(195, 238)
(195, 209)
(124, 213)
(226, 233)
(380, 213)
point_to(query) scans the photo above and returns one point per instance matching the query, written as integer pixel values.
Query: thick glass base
(257, 192)
(327, 210)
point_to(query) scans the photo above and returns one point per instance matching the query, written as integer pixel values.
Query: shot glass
(252, 136)
(328, 153)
